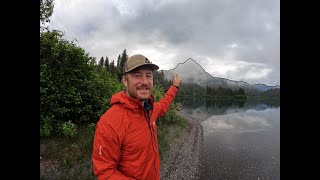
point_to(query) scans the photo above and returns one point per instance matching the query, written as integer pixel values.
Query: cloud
(240, 122)
(225, 33)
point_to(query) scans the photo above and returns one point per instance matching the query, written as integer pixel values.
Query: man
(125, 142)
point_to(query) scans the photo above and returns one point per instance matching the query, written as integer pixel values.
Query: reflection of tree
(270, 102)
(274, 92)
(224, 102)
(240, 103)
(190, 102)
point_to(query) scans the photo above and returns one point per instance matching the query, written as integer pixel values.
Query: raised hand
(177, 80)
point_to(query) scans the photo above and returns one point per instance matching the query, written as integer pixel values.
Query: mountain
(264, 87)
(192, 72)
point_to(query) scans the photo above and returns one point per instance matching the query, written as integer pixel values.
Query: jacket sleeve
(106, 153)
(167, 99)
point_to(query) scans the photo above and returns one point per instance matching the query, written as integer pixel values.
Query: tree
(93, 61)
(46, 10)
(123, 59)
(118, 61)
(65, 74)
(159, 78)
(240, 91)
(101, 62)
(106, 64)
(112, 68)
(71, 87)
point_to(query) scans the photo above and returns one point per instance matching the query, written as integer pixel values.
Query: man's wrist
(175, 86)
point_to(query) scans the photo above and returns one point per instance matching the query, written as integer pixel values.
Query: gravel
(183, 159)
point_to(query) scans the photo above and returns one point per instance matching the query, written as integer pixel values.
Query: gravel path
(183, 159)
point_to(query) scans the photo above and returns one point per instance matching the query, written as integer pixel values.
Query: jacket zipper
(146, 114)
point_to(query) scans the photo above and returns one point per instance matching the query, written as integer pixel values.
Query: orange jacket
(125, 145)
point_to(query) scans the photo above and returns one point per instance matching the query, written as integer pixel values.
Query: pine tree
(101, 62)
(112, 67)
(106, 64)
(124, 57)
(118, 62)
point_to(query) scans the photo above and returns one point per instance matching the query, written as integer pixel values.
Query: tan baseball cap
(137, 61)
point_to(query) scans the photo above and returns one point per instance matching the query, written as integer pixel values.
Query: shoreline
(183, 159)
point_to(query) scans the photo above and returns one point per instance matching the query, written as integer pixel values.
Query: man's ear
(124, 80)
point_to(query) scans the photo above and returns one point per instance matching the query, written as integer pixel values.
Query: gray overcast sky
(234, 39)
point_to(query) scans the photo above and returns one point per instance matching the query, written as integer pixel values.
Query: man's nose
(144, 80)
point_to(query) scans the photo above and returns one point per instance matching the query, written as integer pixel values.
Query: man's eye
(137, 75)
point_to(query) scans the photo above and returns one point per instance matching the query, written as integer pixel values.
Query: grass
(70, 158)
(67, 158)
(167, 132)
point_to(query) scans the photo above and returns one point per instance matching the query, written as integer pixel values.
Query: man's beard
(134, 94)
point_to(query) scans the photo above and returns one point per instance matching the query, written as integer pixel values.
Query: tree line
(115, 69)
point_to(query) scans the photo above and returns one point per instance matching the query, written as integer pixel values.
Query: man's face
(139, 83)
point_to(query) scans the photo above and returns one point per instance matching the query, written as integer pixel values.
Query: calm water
(241, 139)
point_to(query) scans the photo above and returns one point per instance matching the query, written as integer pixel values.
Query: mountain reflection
(203, 109)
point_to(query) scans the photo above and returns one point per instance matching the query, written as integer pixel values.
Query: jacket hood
(127, 101)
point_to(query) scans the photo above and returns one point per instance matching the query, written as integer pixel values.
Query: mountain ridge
(208, 79)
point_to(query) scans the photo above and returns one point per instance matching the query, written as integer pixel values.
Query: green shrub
(92, 127)
(46, 127)
(170, 116)
(68, 129)
(71, 87)
(157, 92)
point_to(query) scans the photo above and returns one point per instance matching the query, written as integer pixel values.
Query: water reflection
(240, 122)
(241, 138)
(203, 109)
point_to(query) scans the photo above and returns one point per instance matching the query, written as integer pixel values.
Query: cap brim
(153, 67)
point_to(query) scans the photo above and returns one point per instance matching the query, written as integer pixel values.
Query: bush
(46, 127)
(68, 129)
(171, 116)
(92, 127)
(157, 92)
(72, 88)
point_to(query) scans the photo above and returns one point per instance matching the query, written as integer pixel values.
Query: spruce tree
(106, 64)
(101, 62)
(123, 59)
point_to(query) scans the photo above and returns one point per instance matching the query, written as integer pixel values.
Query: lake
(241, 139)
